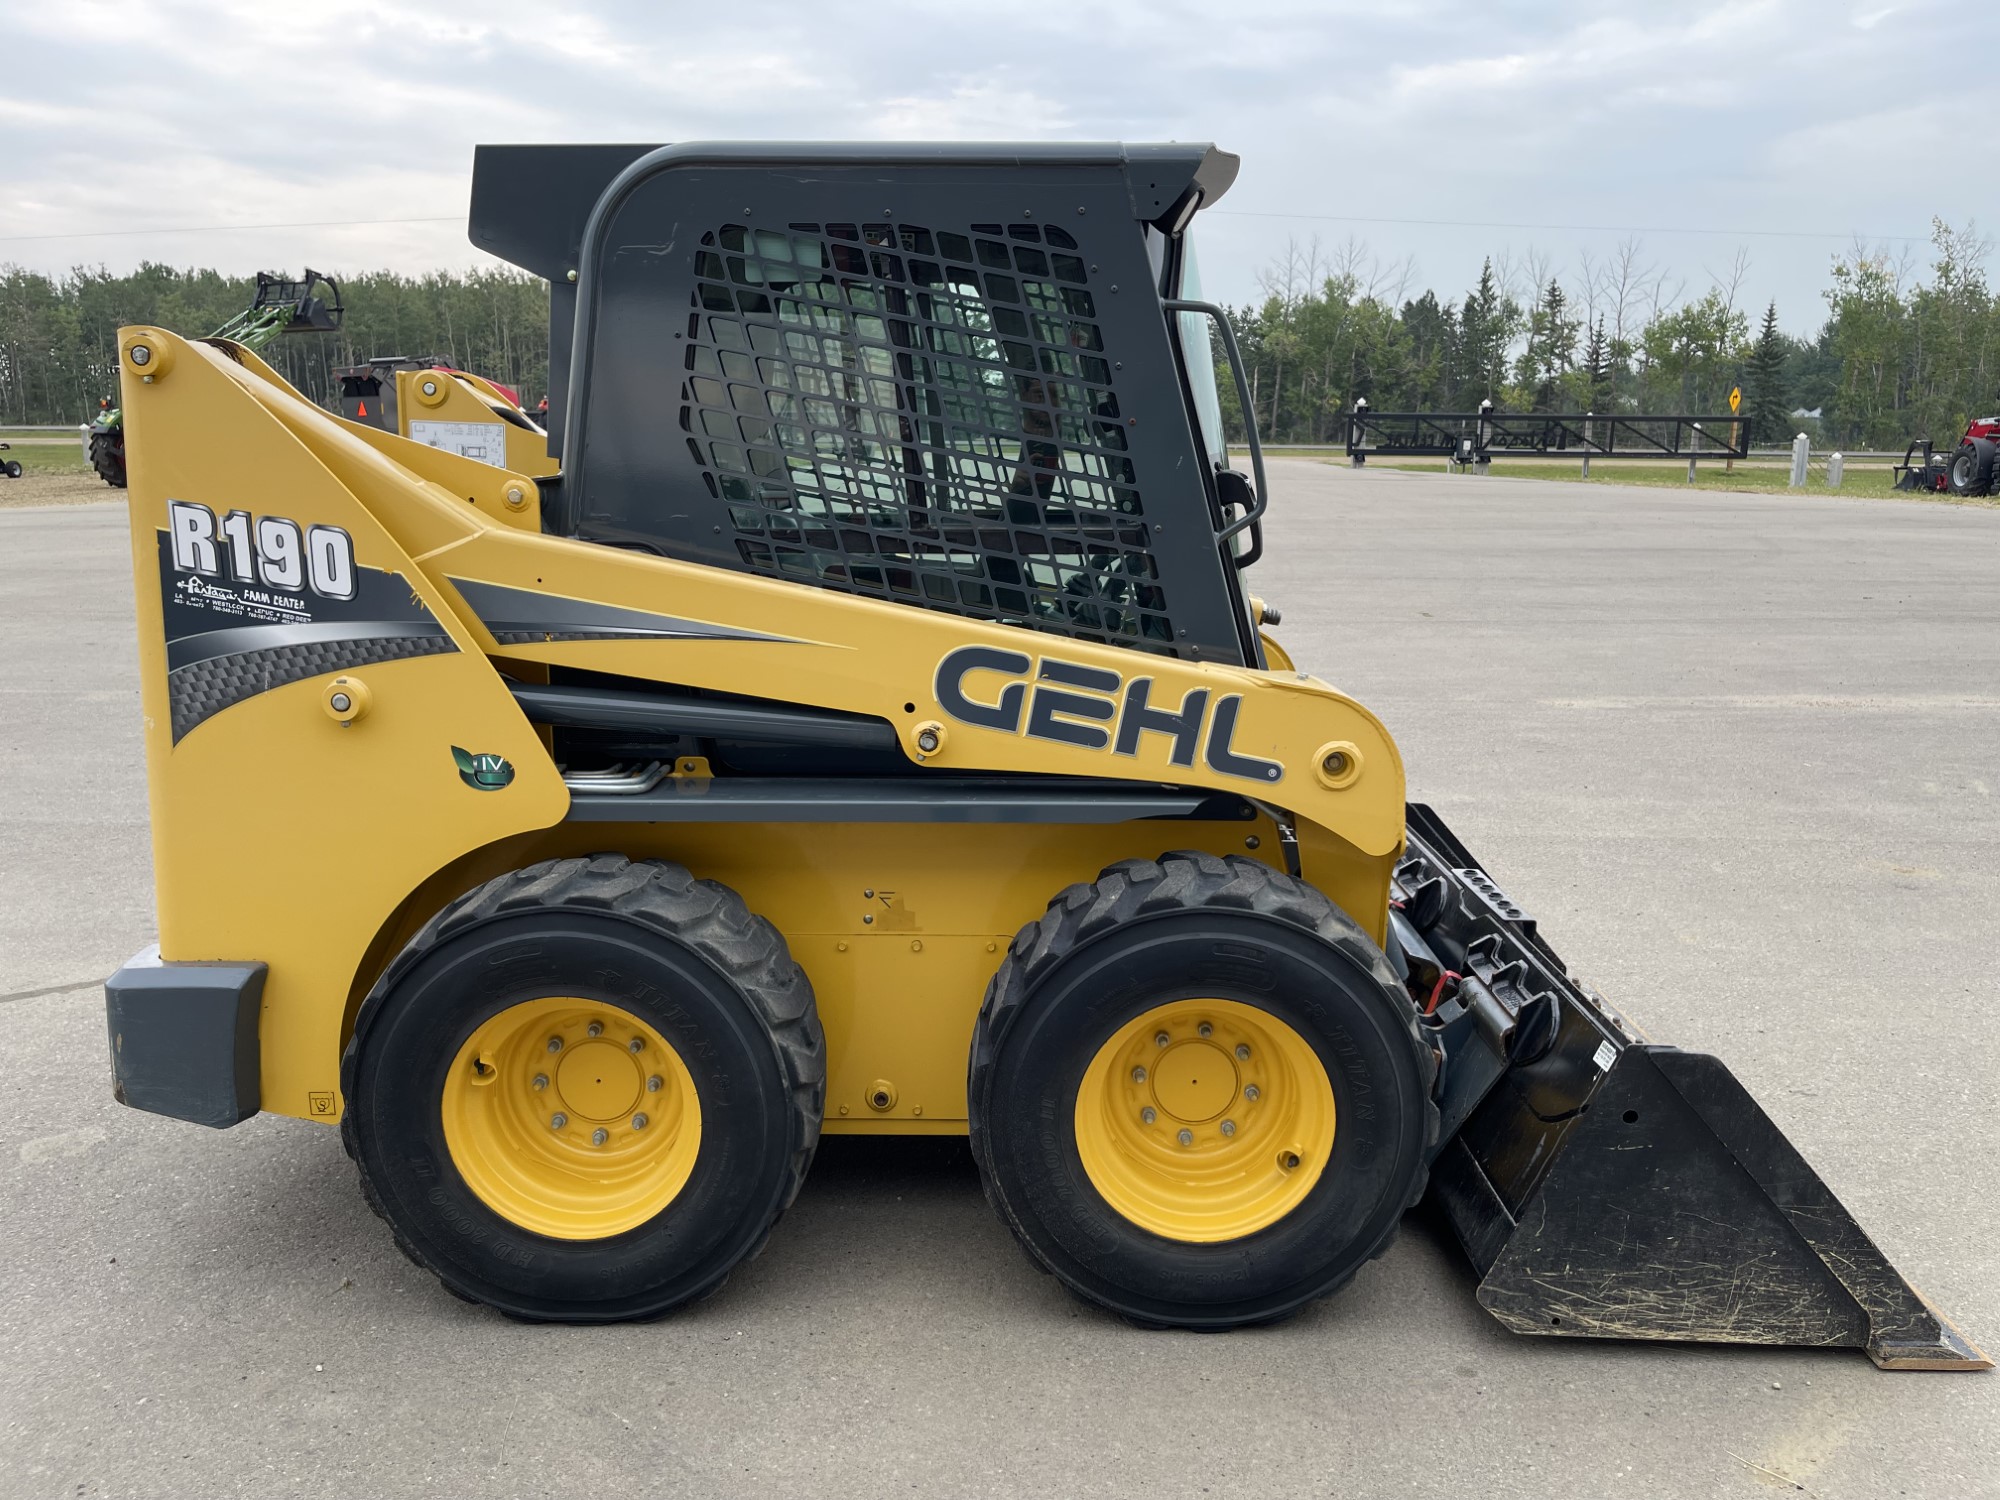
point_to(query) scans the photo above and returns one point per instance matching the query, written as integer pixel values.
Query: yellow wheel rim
(1204, 1120)
(571, 1119)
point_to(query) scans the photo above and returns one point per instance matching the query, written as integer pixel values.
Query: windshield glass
(1198, 353)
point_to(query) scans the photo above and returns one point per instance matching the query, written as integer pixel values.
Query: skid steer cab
(865, 727)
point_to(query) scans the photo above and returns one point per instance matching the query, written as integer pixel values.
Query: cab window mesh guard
(920, 414)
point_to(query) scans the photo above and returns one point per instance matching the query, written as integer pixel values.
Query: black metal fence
(1478, 437)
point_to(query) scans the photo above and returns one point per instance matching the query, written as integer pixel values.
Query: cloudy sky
(1413, 137)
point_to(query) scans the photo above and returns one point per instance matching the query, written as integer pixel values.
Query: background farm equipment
(1966, 468)
(278, 306)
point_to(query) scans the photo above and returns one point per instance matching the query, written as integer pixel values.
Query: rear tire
(13, 468)
(1971, 471)
(1067, 1022)
(545, 1208)
(107, 457)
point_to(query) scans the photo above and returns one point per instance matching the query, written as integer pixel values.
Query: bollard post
(1801, 451)
(1835, 469)
(1586, 443)
(1354, 457)
(1690, 471)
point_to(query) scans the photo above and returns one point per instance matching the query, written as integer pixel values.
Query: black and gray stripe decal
(228, 671)
(232, 638)
(521, 617)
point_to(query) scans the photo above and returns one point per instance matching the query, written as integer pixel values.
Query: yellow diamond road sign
(1735, 397)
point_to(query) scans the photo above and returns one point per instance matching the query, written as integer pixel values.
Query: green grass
(65, 457)
(1863, 479)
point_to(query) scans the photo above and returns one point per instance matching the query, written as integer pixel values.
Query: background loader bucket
(1605, 1187)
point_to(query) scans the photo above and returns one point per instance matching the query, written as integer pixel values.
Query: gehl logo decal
(1094, 708)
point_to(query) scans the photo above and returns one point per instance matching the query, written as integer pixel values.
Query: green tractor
(279, 306)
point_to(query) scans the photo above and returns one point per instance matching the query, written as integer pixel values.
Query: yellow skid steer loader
(431, 403)
(869, 730)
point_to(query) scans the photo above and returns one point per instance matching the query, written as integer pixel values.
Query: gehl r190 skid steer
(868, 730)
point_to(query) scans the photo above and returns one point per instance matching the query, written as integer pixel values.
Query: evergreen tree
(1764, 401)
(1484, 329)
(1551, 348)
(1597, 368)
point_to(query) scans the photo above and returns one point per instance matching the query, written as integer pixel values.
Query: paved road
(1738, 753)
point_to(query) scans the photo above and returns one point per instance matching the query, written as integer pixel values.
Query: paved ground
(1738, 753)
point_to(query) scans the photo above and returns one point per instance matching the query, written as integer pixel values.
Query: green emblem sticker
(486, 773)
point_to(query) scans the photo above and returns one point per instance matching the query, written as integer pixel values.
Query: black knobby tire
(13, 468)
(684, 955)
(1971, 471)
(107, 457)
(1185, 926)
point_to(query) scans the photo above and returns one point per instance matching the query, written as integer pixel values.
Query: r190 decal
(267, 550)
(1095, 708)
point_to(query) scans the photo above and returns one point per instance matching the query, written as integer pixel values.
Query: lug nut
(1147, 1114)
(1204, 1029)
(555, 1044)
(1138, 1075)
(1252, 1092)
(1229, 1127)
(1186, 1137)
(640, 1122)
(541, 1082)
(558, 1120)
(654, 1084)
(1242, 1052)
(599, 1136)
(595, 1028)
(1288, 1159)
(635, 1045)
(1160, 1039)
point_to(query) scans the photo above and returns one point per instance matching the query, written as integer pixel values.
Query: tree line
(1901, 353)
(59, 335)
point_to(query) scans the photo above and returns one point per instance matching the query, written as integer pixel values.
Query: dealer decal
(251, 602)
(1095, 708)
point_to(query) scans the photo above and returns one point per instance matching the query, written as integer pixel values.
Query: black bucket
(1606, 1187)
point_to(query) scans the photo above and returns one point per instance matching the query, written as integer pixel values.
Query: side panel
(281, 834)
(898, 930)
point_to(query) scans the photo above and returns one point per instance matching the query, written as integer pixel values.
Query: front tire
(586, 1090)
(1198, 1094)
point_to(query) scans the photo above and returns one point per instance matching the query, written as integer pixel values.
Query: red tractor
(1968, 469)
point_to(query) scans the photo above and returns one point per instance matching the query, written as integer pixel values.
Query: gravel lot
(1737, 753)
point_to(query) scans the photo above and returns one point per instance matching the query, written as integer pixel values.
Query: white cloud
(1752, 114)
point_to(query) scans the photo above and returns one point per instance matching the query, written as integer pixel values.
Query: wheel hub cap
(599, 1080)
(570, 1118)
(1205, 1120)
(1195, 1081)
